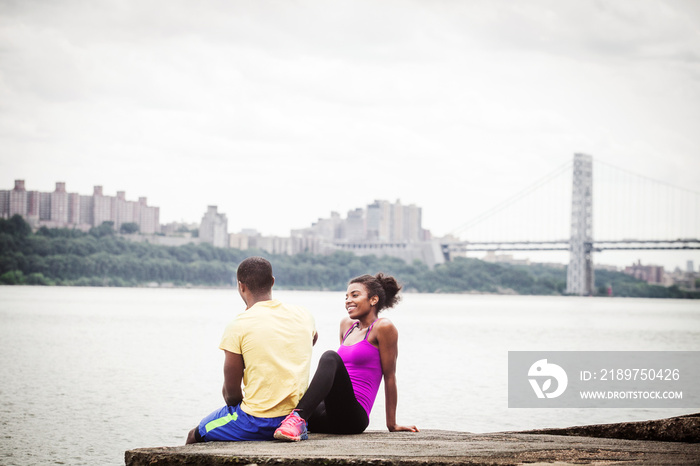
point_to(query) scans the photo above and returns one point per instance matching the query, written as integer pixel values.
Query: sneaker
(293, 428)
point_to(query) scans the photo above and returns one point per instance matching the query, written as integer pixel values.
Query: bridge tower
(579, 276)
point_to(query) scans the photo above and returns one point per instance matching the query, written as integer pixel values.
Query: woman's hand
(398, 428)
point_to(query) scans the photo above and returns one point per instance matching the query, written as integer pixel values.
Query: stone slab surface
(433, 447)
(674, 429)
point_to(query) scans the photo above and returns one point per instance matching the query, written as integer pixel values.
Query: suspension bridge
(630, 211)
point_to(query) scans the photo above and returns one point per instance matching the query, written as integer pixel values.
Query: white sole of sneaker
(281, 436)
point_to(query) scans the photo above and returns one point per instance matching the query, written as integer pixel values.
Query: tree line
(56, 256)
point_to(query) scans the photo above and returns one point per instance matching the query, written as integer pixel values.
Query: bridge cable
(519, 195)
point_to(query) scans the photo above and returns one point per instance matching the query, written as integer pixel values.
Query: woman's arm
(387, 340)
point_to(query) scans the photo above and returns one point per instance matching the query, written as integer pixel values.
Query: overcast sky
(281, 112)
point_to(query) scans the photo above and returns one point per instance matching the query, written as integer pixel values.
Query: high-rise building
(412, 223)
(382, 229)
(43, 200)
(4, 204)
(59, 205)
(34, 205)
(18, 200)
(101, 207)
(63, 209)
(214, 228)
(325, 229)
(397, 223)
(122, 211)
(85, 215)
(73, 208)
(648, 273)
(355, 225)
(148, 217)
(379, 221)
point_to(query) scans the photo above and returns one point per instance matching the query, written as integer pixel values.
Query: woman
(342, 392)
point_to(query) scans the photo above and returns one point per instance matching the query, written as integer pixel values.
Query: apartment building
(380, 222)
(61, 209)
(214, 228)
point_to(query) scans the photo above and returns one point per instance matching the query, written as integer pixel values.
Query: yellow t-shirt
(275, 340)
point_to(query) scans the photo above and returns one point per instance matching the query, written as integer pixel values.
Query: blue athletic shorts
(231, 424)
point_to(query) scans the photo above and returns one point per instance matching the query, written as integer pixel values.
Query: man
(268, 347)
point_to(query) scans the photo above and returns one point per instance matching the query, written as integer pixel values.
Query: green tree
(38, 279)
(129, 228)
(7, 243)
(15, 226)
(106, 229)
(13, 277)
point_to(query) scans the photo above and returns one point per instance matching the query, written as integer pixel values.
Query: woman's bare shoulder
(384, 322)
(384, 326)
(345, 324)
(346, 321)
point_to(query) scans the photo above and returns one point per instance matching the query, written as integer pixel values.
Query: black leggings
(329, 405)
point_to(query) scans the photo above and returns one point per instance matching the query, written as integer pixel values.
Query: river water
(88, 373)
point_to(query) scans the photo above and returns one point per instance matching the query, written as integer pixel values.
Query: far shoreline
(172, 286)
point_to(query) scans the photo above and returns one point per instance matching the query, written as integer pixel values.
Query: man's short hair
(255, 273)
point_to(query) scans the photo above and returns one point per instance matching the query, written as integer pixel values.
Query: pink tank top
(364, 368)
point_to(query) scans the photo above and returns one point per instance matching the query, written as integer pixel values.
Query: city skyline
(281, 113)
(84, 211)
(62, 208)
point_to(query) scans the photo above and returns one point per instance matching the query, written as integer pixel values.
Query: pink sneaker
(293, 428)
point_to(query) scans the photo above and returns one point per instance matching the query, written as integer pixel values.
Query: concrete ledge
(433, 447)
(674, 429)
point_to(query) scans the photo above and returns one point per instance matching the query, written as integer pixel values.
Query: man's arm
(233, 375)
